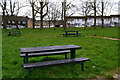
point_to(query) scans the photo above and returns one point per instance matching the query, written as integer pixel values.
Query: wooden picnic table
(29, 50)
(51, 50)
(75, 33)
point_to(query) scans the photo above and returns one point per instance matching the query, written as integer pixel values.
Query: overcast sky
(27, 10)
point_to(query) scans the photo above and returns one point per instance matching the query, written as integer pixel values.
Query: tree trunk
(16, 23)
(4, 21)
(49, 23)
(41, 23)
(3, 17)
(33, 16)
(65, 26)
(64, 15)
(102, 14)
(102, 22)
(94, 13)
(41, 16)
(85, 22)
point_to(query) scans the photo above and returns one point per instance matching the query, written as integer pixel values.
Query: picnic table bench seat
(65, 52)
(46, 53)
(56, 62)
(13, 33)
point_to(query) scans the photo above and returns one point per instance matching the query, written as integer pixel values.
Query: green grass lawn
(102, 52)
(0, 53)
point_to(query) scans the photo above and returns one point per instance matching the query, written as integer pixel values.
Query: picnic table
(51, 50)
(41, 50)
(14, 33)
(67, 33)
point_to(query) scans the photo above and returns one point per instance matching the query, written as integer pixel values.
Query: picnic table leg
(26, 58)
(65, 56)
(73, 54)
(8, 33)
(82, 66)
(77, 33)
(66, 33)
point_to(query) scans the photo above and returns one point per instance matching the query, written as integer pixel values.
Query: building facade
(115, 20)
(79, 21)
(12, 21)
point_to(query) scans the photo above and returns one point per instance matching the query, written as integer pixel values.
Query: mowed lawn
(102, 52)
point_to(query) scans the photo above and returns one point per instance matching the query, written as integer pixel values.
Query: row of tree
(44, 9)
(96, 7)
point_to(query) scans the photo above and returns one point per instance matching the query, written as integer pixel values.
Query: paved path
(111, 38)
(117, 76)
(105, 37)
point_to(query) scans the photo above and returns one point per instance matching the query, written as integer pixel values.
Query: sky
(27, 10)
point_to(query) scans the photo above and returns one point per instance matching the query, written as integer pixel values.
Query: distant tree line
(44, 9)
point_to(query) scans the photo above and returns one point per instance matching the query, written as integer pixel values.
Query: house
(115, 20)
(47, 23)
(12, 21)
(30, 23)
(79, 21)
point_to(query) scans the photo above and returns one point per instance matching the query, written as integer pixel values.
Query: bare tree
(49, 15)
(41, 8)
(10, 11)
(64, 14)
(86, 9)
(67, 10)
(102, 13)
(94, 7)
(56, 13)
(104, 8)
(32, 4)
(3, 7)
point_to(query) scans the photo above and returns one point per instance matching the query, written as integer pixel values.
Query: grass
(102, 52)
(0, 53)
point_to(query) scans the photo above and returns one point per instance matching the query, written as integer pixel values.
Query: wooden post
(26, 58)
(77, 33)
(73, 54)
(65, 56)
(82, 66)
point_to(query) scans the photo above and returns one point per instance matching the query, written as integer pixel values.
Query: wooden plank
(46, 53)
(57, 62)
(49, 48)
(71, 31)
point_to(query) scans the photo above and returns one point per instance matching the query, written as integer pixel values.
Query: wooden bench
(67, 33)
(57, 62)
(13, 33)
(65, 52)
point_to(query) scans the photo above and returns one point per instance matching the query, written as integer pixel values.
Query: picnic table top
(48, 48)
